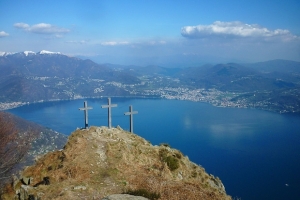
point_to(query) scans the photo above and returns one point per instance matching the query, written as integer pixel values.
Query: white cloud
(3, 34)
(42, 28)
(161, 42)
(21, 25)
(113, 43)
(134, 44)
(77, 42)
(233, 29)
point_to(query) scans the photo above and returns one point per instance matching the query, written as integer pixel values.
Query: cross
(109, 106)
(131, 113)
(85, 109)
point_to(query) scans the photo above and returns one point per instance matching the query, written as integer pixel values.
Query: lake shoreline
(12, 105)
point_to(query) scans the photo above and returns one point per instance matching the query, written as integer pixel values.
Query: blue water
(255, 153)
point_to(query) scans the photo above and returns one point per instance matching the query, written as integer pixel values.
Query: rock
(26, 180)
(123, 197)
(23, 195)
(179, 176)
(79, 187)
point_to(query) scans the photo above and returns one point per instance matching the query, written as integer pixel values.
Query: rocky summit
(103, 163)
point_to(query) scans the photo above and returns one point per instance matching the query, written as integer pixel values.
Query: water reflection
(233, 131)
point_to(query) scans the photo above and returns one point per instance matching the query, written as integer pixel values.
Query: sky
(154, 32)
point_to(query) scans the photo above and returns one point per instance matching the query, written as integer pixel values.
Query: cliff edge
(99, 162)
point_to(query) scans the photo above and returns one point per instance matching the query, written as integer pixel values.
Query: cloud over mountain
(41, 28)
(233, 29)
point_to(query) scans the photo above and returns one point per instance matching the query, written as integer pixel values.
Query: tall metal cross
(85, 109)
(109, 106)
(131, 113)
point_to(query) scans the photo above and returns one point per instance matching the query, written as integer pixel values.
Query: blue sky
(163, 32)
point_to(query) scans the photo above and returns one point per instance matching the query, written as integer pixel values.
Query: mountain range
(45, 76)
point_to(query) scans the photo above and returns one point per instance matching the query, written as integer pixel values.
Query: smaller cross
(85, 109)
(109, 106)
(131, 113)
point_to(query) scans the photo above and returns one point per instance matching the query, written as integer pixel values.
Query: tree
(13, 147)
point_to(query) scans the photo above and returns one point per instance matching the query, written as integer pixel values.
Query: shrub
(165, 145)
(178, 154)
(194, 174)
(172, 162)
(163, 153)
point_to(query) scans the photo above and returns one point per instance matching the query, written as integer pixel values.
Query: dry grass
(101, 161)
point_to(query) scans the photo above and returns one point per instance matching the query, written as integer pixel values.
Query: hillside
(50, 76)
(98, 162)
(43, 139)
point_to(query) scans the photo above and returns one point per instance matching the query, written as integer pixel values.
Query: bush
(194, 174)
(178, 154)
(144, 193)
(172, 162)
(165, 145)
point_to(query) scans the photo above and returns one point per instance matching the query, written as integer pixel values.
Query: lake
(255, 153)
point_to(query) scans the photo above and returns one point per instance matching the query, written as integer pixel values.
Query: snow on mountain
(2, 53)
(6, 53)
(28, 52)
(48, 52)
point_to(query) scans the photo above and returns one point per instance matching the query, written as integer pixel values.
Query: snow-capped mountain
(6, 53)
(27, 53)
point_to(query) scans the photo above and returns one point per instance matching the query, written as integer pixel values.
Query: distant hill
(282, 66)
(47, 76)
(232, 77)
(278, 69)
(58, 65)
(272, 85)
(150, 70)
(99, 162)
